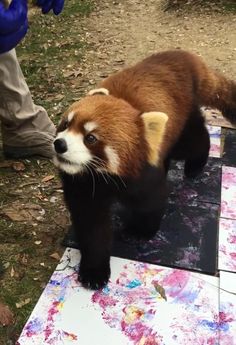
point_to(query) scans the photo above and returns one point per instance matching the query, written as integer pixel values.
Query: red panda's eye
(90, 139)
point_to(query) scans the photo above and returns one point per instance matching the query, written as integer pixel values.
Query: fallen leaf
(18, 166)
(59, 97)
(6, 316)
(68, 74)
(78, 73)
(47, 178)
(55, 256)
(160, 290)
(12, 272)
(38, 242)
(53, 199)
(21, 212)
(6, 265)
(23, 303)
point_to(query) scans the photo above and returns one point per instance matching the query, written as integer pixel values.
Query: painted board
(229, 152)
(187, 239)
(227, 245)
(206, 187)
(228, 193)
(143, 304)
(227, 314)
(215, 140)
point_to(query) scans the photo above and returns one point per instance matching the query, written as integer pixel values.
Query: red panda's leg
(144, 208)
(94, 235)
(90, 216)
(198, 151)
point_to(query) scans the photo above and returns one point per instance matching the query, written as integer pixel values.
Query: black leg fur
(143, 198)
(144, 204)
(90, 216)
(193, 145)
(199, 145)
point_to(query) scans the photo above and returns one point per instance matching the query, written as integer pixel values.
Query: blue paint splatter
(54, 282)
(33, 327)
(214, 326)
(188, 296)
(106, 290)
(133, 284)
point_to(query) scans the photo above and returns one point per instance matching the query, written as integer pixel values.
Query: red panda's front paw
(94, 278)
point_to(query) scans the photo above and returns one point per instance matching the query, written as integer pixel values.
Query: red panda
(116, 144)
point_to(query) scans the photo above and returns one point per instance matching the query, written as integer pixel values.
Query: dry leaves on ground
(6, 316)
(22, 212)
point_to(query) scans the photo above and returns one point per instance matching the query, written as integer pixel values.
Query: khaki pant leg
(23, 122)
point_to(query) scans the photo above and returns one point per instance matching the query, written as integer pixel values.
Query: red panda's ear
(154, 124)
(101, 91)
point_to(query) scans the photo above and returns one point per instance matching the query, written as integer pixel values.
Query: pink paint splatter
(103, 299)
(232, 239)
(227, 244)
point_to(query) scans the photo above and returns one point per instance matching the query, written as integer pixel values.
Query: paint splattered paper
(187, 239)
(228, 193)
(229, 154)
(215, 139)
(227, 314)
(227, 245)
(142, 305)
(206, 187)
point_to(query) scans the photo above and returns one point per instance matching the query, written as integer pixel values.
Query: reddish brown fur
(173, 82)
(176, 83)
(119, 126)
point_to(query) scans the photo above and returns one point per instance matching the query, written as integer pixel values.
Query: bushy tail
(216, 91)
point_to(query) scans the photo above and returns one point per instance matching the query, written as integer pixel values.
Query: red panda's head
(106, 134)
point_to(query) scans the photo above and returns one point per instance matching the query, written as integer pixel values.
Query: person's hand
(13, 24)
(47, 5)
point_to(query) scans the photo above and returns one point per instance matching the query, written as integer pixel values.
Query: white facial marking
(70, 116)
(77, 153)
(113, 159)
(90, 126)
(101, 90)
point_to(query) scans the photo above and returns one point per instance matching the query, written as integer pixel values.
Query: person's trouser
(22, 122)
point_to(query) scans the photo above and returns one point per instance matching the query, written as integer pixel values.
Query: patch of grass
(83, 8)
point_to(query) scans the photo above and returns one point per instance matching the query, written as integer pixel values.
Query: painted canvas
(206, 187)
(229, 156)
(143, 304)
(215, 139)
(228, 193)
(187, 239)
(227, 314)
(227, 245)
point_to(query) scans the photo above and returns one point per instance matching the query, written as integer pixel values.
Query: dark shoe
(12, 152)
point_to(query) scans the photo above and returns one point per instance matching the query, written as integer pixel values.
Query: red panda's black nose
(60, 145)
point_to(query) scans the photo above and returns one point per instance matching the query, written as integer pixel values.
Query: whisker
(113, 180)
(93, 191)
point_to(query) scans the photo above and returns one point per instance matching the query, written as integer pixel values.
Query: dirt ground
(92, 41)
